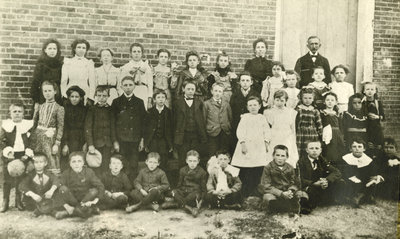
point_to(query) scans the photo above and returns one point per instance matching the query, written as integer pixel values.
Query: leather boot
(6, 197)
(18, 200)
(4, 206)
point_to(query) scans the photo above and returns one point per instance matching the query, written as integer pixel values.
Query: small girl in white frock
(292, 78)
(283, 126)
(272, 84)
(251, 155)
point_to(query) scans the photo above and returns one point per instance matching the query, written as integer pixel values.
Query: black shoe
(305, 211)
(4, 206)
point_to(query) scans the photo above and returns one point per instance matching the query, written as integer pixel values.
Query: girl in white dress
(141, 72)
(251, 153)
(107, 74)
(292, 79)
(272, 84)
(283, 126)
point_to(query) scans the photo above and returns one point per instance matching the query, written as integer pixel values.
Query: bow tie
(188, 98)
(218, 101)
(314, 55)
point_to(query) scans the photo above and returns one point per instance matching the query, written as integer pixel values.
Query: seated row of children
(79, 192)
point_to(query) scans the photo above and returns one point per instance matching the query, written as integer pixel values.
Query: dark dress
(354, 126)
(200, 79)
(47, 69)
(374, 127)
(333, 151)
(74, 126)
(259, 68)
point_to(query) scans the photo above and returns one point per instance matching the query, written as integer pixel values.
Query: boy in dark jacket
(223, 185)
(80, 189)
(158, 133)
(320, 180)
(14, 143)
(130, 115)
(150, 185)
(191, 185)
(116, 184)
(189, 123)
(390, 170)
(100, 128)
(38, 185)
(279, 184)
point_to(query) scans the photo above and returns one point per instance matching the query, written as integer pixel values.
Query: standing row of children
(126, 127)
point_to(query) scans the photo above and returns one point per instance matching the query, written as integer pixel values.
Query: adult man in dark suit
(305, 64)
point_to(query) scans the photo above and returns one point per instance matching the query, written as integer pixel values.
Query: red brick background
(387, 62)
(178, 25)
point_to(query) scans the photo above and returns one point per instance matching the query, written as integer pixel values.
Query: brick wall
(387, 61)
(178, 25)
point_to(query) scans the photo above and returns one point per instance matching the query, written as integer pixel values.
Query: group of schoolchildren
(289, 146)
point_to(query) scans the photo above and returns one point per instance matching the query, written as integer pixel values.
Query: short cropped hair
(224, 152)
(281, 147)
(118, 157)
(313, 141)
(154, 155)
(127, 78)
(185, 83)
(193, 153)
(391, 141)
(77, 153)
(254, 98)
(158, 92)
(217, 84)
(102, 88)
(40, 155)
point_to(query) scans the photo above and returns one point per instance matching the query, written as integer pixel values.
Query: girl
(342, 89)
(48, 68)
(259, 67)
(308, 121)
(272, 84)
(283, 126)
(48, 127)
(355, 120)
(107, 74)
(79, 71)
(163, 75)
(374, 109)
(141, 72)
(333, 145)
(195, 72)
(251, 153)
(223, 74)
(319, 86)
(290, 87)
(74, 122)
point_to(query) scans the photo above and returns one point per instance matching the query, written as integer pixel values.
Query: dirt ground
(369, 221)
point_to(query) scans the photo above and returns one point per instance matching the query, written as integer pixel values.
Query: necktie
(40, 175)
(314, 164)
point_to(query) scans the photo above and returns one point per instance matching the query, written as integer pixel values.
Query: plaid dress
(308, 126)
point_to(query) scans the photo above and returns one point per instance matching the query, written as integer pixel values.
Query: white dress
(293, 99)
(78, 71)
(143, 76)
(343, 90)
(109, 77)
(283, 131)
(254, 131)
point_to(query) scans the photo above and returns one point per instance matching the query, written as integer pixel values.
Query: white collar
(311, 54)
(25, 125)
(128, 96)
(360, 162)
(160, 109)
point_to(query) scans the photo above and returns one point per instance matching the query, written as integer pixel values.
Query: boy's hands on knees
(227, 191)
(116, 146)
(65, 150)
(49, 194)
(143, 192)
(244, 147)
(287, 194)
(54, 149)
(92, 149)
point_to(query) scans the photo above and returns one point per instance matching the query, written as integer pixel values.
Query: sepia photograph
(199, 119)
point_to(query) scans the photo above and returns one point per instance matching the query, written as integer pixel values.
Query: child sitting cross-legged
(80, 189)
(116, 184)
(150, 185)
(38, 187)
(191, 186)
(280, 185)
(223, 183)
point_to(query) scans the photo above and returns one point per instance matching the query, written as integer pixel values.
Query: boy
(100, 128)
(239, 98)
(150, 185)
(38, 185)
(218, 116)
(390, 170)
(80, 189)
(223, 184)
(116, 184)
(130, 115)
(158, 132)
(189, 123)
(279, 183)
(319, 179)
(361, 174)
(14, 142)
(191, 185)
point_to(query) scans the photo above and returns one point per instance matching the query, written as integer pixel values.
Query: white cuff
(7, 150)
